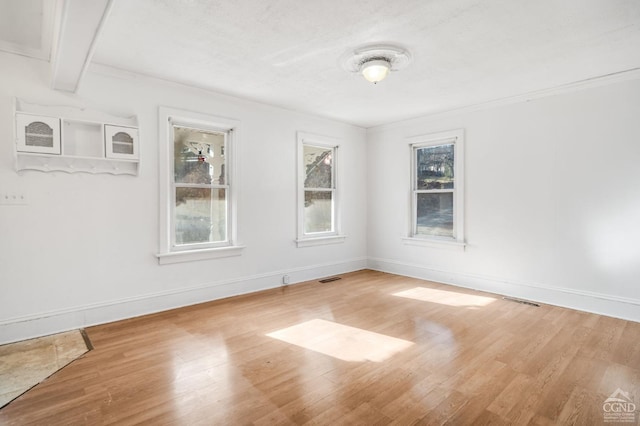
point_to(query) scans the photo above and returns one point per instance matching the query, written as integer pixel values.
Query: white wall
(552, 206)
(83, 250)
(552, 200)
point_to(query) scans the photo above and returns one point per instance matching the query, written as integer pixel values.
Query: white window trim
(168, 253)
(201, 254)
(320, 241)
(457, 242)
(319, 238)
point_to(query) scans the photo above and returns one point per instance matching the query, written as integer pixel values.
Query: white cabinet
(55, 138)
(38, 134)
(121, 142)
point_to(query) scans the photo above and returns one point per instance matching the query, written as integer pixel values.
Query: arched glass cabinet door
(121, 142)
(37, 134)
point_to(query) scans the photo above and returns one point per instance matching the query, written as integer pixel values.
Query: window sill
(202, 254)
(435, 243)
(320, 241)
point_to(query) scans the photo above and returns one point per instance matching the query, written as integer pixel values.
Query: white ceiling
(287, 52)
(26, 27)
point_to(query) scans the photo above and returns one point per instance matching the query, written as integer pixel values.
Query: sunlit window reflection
(445, 297)
(341, 341)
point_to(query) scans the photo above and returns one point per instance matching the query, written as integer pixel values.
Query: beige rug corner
(25, 364)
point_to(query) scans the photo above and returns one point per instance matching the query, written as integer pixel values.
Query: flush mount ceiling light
(375, 70)
(375, 62)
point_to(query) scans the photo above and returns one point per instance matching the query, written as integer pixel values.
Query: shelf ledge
(73, 164)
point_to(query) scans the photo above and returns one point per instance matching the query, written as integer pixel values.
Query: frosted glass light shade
(375, 71)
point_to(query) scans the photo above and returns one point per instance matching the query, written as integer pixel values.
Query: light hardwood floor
(372, 348)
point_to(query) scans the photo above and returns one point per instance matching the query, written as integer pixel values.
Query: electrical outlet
(12, 199)
(285, 279)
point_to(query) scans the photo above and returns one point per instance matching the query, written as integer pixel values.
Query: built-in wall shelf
(73, 164)
(68, 139)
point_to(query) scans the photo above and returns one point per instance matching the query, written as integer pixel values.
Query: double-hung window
(200, 188)
(437, 188)
(318, 197)
(197, 187)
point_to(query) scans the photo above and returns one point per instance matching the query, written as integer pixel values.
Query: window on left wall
(198, 207)
(200, 188)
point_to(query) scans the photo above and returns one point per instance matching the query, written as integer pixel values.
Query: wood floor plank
(490, 384)
(471, 358)
(511, 394)
(579, 372)
(582, 408)
(627, 351)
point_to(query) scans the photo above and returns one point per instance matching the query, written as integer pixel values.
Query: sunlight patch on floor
(445, 297)
(341, 341)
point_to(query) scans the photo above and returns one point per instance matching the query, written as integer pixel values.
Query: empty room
(219, 212)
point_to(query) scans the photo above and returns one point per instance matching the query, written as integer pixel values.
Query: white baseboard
(45, 323)
(597, 303)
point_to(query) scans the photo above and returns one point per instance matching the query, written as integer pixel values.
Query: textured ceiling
(26, 27)
(287, 52)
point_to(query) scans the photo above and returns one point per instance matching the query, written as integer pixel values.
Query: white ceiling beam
(79, 27)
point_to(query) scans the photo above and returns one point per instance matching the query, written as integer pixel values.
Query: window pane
(317, 165)
(201, 215)
(435, 167)
(435, 214)
(198, 156)
(318, 209)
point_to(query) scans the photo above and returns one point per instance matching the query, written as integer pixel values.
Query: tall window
(200, 188)
(318, 189)
(437, 187)
(197, 191)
